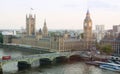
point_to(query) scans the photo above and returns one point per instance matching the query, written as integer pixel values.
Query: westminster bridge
(25, 62)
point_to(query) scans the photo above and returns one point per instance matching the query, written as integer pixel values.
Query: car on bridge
(6, 57)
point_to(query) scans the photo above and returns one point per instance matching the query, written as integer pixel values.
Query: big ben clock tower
(87, 30)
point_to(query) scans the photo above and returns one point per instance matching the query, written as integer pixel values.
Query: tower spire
(45, 29)
(45, 22)
(87, 30)
(87, 19)
(88, 13)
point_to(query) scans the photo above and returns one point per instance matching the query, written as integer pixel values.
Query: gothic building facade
(30, 24)
(62, 42)
(45, 30)
(87, 36)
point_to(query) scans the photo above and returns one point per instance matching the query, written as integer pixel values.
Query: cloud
(109, 5)
(98, 4)
(59, 11)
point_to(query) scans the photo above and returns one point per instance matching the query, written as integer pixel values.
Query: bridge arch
(45, 61)
(23, 65)
(74, 57)
(60, 59)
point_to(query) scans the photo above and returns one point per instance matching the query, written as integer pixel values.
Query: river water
(69, 68)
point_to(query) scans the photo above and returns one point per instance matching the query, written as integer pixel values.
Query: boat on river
(95, 63)
(110, 66)
(114, 61)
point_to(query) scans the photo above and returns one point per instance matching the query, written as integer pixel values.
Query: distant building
(116, 30)
(64, 41)
(115, 43)
(39, 34)
(100, 32)
(8, 32)
(112, 37)
(88, 35)
(113, 33)
(30, 24)
(7, 38)
(45, 30)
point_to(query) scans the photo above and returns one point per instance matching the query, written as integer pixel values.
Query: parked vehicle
(6, 57)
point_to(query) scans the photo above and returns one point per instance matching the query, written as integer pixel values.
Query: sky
(59, 14)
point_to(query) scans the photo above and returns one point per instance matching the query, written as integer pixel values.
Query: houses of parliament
(63, 42)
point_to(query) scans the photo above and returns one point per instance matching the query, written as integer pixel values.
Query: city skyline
(59, 14)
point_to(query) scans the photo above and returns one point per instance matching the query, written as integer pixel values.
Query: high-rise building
(30, 24)
(87, 30)
(116, 28)
(100, 32)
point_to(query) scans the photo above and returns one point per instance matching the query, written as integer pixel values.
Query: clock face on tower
(90, 24)
(85, 24)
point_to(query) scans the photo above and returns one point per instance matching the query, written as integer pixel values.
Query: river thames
(69, 68)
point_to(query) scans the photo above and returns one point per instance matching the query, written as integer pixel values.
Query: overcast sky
(59, 14)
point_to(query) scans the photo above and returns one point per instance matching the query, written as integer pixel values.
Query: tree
(52, 34)
(1, 38)
(82, 35)
(97, 45)
(106, 49)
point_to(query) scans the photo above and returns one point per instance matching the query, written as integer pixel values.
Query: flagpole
(31, 9)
